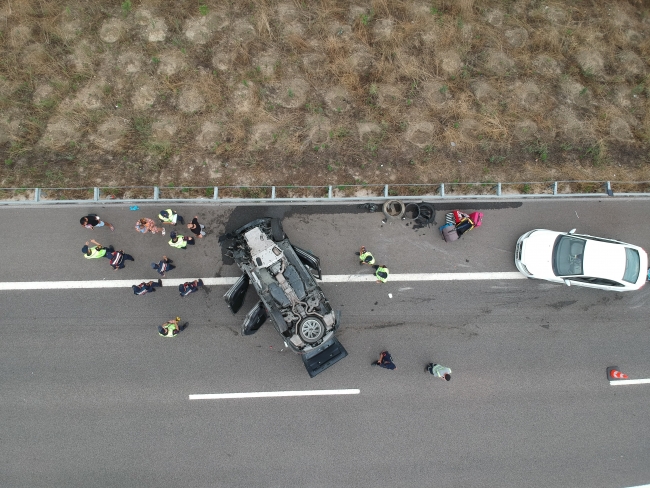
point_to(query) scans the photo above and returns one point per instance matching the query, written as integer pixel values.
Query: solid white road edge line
(643, 381)
(63, 285)
(270, 394)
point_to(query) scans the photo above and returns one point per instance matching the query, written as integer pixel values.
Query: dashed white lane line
(356, 278)
(273, 394)
(642, 381)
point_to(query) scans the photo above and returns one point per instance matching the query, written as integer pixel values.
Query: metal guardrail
(331, 193)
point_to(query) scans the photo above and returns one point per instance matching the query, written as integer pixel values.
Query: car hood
(537, 252)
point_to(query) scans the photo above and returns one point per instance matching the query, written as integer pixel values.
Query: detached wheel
(311, 330)
(393, 209)
(277, 231)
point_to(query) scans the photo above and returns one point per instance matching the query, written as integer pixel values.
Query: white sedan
(581, 260)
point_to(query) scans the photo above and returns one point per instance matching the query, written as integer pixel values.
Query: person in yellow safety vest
(97, 251)
(365, 257)
(381, 273)
(171, 328)
(439, 371)
(170, 217)
(180, 241)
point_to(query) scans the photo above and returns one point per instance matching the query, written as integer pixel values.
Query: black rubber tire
(277, 231)
(311, 329)
(393, 209)
(427, 213)
(411, 211)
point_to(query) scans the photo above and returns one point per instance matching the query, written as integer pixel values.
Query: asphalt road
(91, 396)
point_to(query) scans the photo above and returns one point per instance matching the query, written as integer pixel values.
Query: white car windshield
(632, 265)
(567, 255)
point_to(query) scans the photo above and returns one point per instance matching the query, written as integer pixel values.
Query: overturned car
(283, 276)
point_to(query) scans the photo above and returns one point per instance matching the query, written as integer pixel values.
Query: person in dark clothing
(91, 221)
(196, 228)
(117, 259)
(190, 287)
(385, 361)
(143, 288)
(164, 265)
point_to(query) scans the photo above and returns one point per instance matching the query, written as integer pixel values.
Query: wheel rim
(311, 329)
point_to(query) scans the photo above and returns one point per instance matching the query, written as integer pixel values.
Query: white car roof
(604, 260)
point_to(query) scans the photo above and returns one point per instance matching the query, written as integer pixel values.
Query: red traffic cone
(614, 374)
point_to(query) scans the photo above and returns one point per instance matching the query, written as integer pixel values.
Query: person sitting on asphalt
(164, 265)
(365, 257)
(385, 361)
(439, 371)
(381, 273)
(179, 241)
(117, 259)
(97, 251)
(170, 217)
(189, 287)
(171, 328)
(145, 287)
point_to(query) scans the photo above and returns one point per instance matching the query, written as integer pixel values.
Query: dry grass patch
(301, 93)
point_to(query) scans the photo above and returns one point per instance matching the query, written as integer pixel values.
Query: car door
(309, 260)
(254, 319)
(235, 296)
(328, 353)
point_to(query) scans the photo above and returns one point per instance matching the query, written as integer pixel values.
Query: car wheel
(393, 209)
(277, 231)
(311, 329)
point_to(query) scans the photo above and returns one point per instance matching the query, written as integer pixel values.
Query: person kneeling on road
(171, 328)
(381, 273)
(170, 217)
(439, 371)
(163, 266)
(117, 259)
(189, 287)
(385, 361)
(365, 257)
(97, 251)
(180, 241)
(145, 287)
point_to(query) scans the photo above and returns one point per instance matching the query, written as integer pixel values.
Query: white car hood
(537, 252)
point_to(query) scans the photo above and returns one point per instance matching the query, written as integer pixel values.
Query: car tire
(393, 209)
(277, 231)
(311, 329)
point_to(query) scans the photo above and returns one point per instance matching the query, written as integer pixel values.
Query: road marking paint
(64, 285)
(427, 277)
(643, 381)
(639, 486)
(273, 394)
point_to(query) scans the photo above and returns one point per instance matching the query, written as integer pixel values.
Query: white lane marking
(639, 486)
(63, 285)
(270, 394)
(643, 381)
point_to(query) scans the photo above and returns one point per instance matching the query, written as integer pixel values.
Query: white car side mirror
(567, 282)
(572, 231)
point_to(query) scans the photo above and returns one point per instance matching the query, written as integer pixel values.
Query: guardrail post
(96, 193)
(499, 189)
(442, 189)
(385, 191)
(329, 192)
(215, 195)
(609, 189)
(156, 193)
(37, 194)
(555, 188)
(272, 193)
